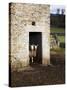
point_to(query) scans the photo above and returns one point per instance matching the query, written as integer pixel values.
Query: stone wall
(22, 16)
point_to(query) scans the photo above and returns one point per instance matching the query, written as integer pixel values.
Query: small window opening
(33, 23)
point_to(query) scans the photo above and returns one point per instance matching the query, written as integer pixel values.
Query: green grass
(58, 50)
(57, 30)
(61, 39)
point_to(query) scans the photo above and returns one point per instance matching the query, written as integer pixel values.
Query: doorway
(35, 39)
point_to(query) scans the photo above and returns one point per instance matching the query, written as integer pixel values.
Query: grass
(61, 39)
(58, 50)
(57, 30)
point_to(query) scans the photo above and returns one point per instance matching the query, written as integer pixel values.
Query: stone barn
(29, 34)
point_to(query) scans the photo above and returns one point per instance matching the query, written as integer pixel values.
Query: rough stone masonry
(21, 17)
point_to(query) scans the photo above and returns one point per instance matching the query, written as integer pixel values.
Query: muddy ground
(41, 75)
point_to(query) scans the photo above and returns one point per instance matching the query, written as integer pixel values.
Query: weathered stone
(22, 16)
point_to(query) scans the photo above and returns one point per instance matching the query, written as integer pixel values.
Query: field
(57, 30)
(61, 38)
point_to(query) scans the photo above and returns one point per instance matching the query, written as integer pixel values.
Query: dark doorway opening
(35, 38)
